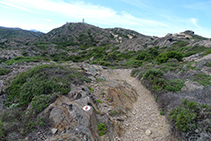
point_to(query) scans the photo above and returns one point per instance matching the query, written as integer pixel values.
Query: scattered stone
(54, 130)
(92, 78)
(148, 132)
(197, 130)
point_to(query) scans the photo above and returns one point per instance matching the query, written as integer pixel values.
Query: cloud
(94, 14)
(15, 6)
(198, 6)
(48, 20)
(194, 21)
(137, 3)
(60, 11)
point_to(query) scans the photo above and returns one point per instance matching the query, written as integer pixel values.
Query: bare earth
(145, 116)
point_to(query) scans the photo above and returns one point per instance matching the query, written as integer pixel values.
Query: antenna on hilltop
(83, 20)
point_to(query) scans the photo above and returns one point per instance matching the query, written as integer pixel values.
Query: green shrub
(154, 76)
(185, 116)
(207, 52)
(40, 102)
(44, 79)
(100, 62)
(101, 129)
(180, 44)
(208, 64)
(115, 113)
(2, 130)
(162, 112)
(2, 60)
(175, 85)
(4, 71)
(202, 79)
(25, 59)
(153, 72)
(90, 88)
(42, 46)
(164, 57)
(24, 53)
(148, 54)
(99, 101)
(134, 63)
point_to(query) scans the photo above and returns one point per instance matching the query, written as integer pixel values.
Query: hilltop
(47, 79)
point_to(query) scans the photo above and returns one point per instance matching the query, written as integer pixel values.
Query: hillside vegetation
(175, 68)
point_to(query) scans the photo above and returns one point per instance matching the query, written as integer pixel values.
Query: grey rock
(92, 78)
(148, 132)
(191, 86)
(1, 86)
(54, 130)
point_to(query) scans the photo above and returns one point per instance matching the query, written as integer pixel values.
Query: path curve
(145, 116)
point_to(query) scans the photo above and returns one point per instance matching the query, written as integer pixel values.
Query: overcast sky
(149, 17)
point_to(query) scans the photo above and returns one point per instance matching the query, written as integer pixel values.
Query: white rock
(148, 132)
(54, 130)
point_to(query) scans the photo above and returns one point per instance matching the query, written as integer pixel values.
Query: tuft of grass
(162, 112)
(98, 101)
(90, 88)
(101, 129)
(115, 113)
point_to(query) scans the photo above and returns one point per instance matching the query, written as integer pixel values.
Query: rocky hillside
(14, 37)
(47, 79)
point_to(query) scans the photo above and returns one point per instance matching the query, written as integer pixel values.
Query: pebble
(148, 132)
(54, 130)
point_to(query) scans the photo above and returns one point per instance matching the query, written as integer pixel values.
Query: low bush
(164, 57)
(101, 62)
(207, 52)
(153, 72)
(202, 79)
(208, 64)
(45, 79)
(40, 102)
(4, 71)
(101, 128)
(159, 84)
(175, 85)
(154, 76)
(25, 59)
(2, 130)
(134, 63)
(187, 115)
(148, 54)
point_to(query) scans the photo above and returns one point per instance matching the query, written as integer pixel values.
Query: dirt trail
(145, 122)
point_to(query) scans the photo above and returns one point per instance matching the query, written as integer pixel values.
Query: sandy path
(145, 115)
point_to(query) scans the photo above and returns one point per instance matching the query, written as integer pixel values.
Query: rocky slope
(46, 101)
